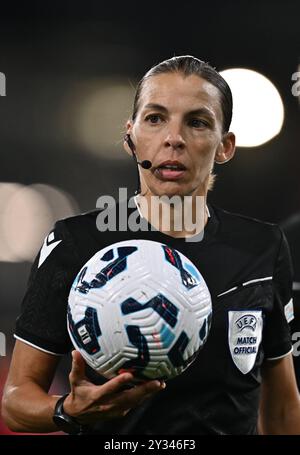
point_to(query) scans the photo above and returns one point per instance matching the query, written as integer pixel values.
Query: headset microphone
(145, 164)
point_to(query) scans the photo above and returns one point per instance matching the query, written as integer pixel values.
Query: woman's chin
(170, 189)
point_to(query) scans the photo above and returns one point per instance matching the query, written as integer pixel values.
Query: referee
(243, 380)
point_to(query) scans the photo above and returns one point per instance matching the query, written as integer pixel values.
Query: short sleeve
(42, 320)
(277, 333)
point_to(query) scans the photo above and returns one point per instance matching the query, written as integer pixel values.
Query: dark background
(49, 50)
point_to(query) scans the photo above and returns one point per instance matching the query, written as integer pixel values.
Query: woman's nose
(174, 139)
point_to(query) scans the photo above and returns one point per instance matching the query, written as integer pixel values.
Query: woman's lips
(169, 174)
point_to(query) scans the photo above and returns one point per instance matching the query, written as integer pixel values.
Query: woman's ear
(226, 149)
(127, 144)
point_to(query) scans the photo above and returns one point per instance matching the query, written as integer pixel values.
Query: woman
(178, 130)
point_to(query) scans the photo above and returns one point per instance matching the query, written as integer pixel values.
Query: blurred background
(69, 70)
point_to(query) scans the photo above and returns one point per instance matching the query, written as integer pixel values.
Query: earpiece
(127, 138)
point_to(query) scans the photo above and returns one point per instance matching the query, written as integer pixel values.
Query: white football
(139, 306)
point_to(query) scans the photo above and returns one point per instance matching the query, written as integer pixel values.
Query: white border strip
(267, 278)
(281, 356)
(226, 292)
(37, 347)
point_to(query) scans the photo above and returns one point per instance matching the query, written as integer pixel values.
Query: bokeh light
(94, 114)
(258, 111)
(27, 215)
(7, 190)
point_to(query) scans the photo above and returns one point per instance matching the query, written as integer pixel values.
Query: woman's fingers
(77, 373)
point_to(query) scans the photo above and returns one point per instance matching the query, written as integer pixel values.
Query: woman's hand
(89, 403)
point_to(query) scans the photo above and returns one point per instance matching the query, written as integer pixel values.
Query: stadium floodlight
(258, 111)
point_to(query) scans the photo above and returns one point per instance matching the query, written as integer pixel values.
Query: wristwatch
(65, 422)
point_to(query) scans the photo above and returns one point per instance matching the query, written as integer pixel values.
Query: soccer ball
(139, 306)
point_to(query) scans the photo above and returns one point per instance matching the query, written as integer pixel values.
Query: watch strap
(64, 421)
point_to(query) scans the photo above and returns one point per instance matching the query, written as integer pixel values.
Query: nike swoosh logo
(47, 248)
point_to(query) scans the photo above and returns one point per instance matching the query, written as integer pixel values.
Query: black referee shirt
(247, 268)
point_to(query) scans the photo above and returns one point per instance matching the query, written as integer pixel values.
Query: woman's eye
(153, 118)
(198, 123)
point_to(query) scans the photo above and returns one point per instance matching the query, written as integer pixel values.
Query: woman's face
(178, 128)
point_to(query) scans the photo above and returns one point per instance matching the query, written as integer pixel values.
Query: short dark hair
(189, 65)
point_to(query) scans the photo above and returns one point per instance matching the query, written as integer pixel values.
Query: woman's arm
(280, 400)
(27, 407)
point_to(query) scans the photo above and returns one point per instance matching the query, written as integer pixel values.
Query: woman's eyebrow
(198, 111)
(156, 107)
(202, 111)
